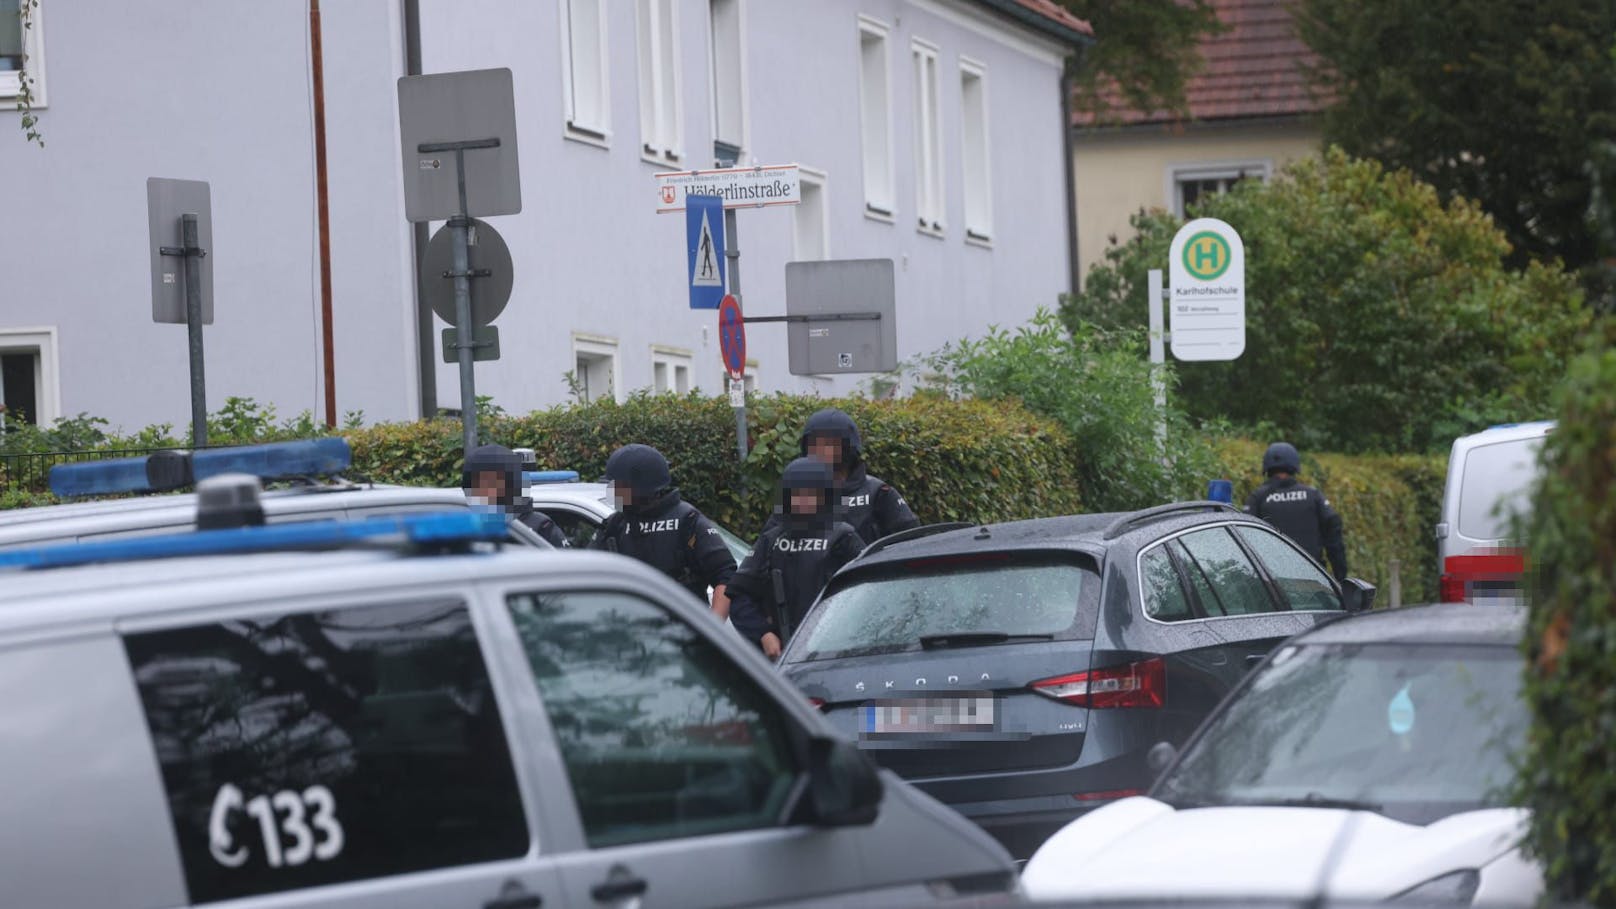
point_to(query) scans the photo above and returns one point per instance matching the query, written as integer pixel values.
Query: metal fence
(30, 471)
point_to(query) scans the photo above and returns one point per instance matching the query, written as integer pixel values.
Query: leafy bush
(1567, 777)
(1097, 385)
(1379, 318)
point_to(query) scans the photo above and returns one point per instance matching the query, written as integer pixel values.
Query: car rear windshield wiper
(1315, 800)
(976, 639)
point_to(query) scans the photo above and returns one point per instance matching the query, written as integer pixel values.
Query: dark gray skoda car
(1021, 672)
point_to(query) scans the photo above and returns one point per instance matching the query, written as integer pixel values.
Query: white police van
(401, 712)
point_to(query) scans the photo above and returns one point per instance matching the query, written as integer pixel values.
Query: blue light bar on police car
(537, 477)
(436, 528)
(169, 470)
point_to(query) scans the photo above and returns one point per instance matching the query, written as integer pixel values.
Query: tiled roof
(1252, 70)
(1049, 9)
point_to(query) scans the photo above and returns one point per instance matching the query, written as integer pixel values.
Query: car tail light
(1460, 572)
(817, 703)
(1109, 796)
(1142, 684)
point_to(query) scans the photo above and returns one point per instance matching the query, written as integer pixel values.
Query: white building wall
(219, 91)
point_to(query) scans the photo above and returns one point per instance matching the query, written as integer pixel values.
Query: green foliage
(953, 460)
(1388, 506)
(1494, 100)
(1566, 777)
(1368, 298)
(1144, 54)
(28, 11)
(1097, 385)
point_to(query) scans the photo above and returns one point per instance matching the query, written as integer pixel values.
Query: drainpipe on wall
(1073, 263)
(322, 203)
(425, 353)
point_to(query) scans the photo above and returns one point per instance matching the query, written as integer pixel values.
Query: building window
(18, 44)
(29, 385)
(728, 73)
(928, 141)
(1191, 183)
(594, 374)
(661, 136)
(670, 370)
(974, 151)
(583, 51)
(812, 224)
(875, 118)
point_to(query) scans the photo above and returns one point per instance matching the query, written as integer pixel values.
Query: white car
(1365, 760)
(1490, 477)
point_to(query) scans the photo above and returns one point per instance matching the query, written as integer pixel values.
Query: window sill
(586, 136)
(935, 232)
(672, 162)
(883, 215)
(983, 241)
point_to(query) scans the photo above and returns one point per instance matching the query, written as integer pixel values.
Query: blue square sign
(704, 238)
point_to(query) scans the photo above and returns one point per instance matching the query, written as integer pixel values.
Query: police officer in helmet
(871, 506)
(1298, 510)
(657, 526)
(492, 476)
(793, 559)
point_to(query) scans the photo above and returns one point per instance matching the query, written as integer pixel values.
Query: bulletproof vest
(803, 558)
(1293, 508)
(659, 536)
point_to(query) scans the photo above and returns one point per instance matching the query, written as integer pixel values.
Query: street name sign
(739, 187)
(1206, 308)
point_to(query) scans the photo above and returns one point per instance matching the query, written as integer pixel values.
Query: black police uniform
(517, 507)
(871, 506)
(1299, 511)
(667, 533)
(793, 559)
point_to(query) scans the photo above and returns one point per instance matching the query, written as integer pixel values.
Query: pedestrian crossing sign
(704, 232)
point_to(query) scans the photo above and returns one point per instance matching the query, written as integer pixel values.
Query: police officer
(492, 475)
(1298, 510)
(793, 559)
(657, 526)
(874, 508)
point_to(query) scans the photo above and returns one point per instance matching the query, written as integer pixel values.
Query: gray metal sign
(490, 264)
(484, 344)
(476, 111)
(841, 316)
(167, 203)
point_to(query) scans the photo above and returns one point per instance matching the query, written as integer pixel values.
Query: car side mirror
(1357, 595)
(844, 787)
(1160, 756)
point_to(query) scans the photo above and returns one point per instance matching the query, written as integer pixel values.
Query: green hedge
(953, 460)
(1388, 503)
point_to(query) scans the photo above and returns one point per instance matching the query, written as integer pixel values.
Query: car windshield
(1418, 732)
(737, 546)
(895, 610)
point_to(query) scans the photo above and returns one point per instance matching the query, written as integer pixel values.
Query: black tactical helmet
(833, 422)
(807, 473)
(1281, 456)
(641, 468)
(494, 457)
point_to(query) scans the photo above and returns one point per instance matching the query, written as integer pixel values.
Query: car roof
(1505, 432)
(1442, 623)
(1082, 533)
(53, 596)
(592, 495)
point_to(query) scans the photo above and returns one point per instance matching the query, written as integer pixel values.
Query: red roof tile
(1052, 10)
(1253, 69)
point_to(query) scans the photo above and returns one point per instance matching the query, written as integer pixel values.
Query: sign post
(180, 211)
(451, 114)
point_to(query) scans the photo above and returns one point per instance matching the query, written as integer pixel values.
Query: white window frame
(1178, 174)
(930, 199)
(598, 346)
(662, 135)
(673, 359)
(33, 47)
(744, 100)
(749, 376)
(590, 133)
(816, 178)
(978, 213)
(42, 342)
(876, 139)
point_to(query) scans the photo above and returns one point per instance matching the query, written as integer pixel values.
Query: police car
(315, 467)
(404, 712)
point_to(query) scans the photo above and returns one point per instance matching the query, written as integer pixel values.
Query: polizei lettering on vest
(855, 501)
(789, 545)
(659, 526)
(1295, 495)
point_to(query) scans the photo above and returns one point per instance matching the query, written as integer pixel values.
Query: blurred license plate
(939, 714)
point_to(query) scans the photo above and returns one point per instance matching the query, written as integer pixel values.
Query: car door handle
(618, 888)
(512, 896)
(1252, 659)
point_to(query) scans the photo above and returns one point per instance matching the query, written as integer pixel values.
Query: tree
(1378, 316)
(1143, 55)
(1501, 101)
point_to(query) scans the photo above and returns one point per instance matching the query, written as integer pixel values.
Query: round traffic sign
(732, 336)
(486, 250)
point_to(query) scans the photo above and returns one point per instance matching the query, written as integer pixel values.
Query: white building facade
(930, 132)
